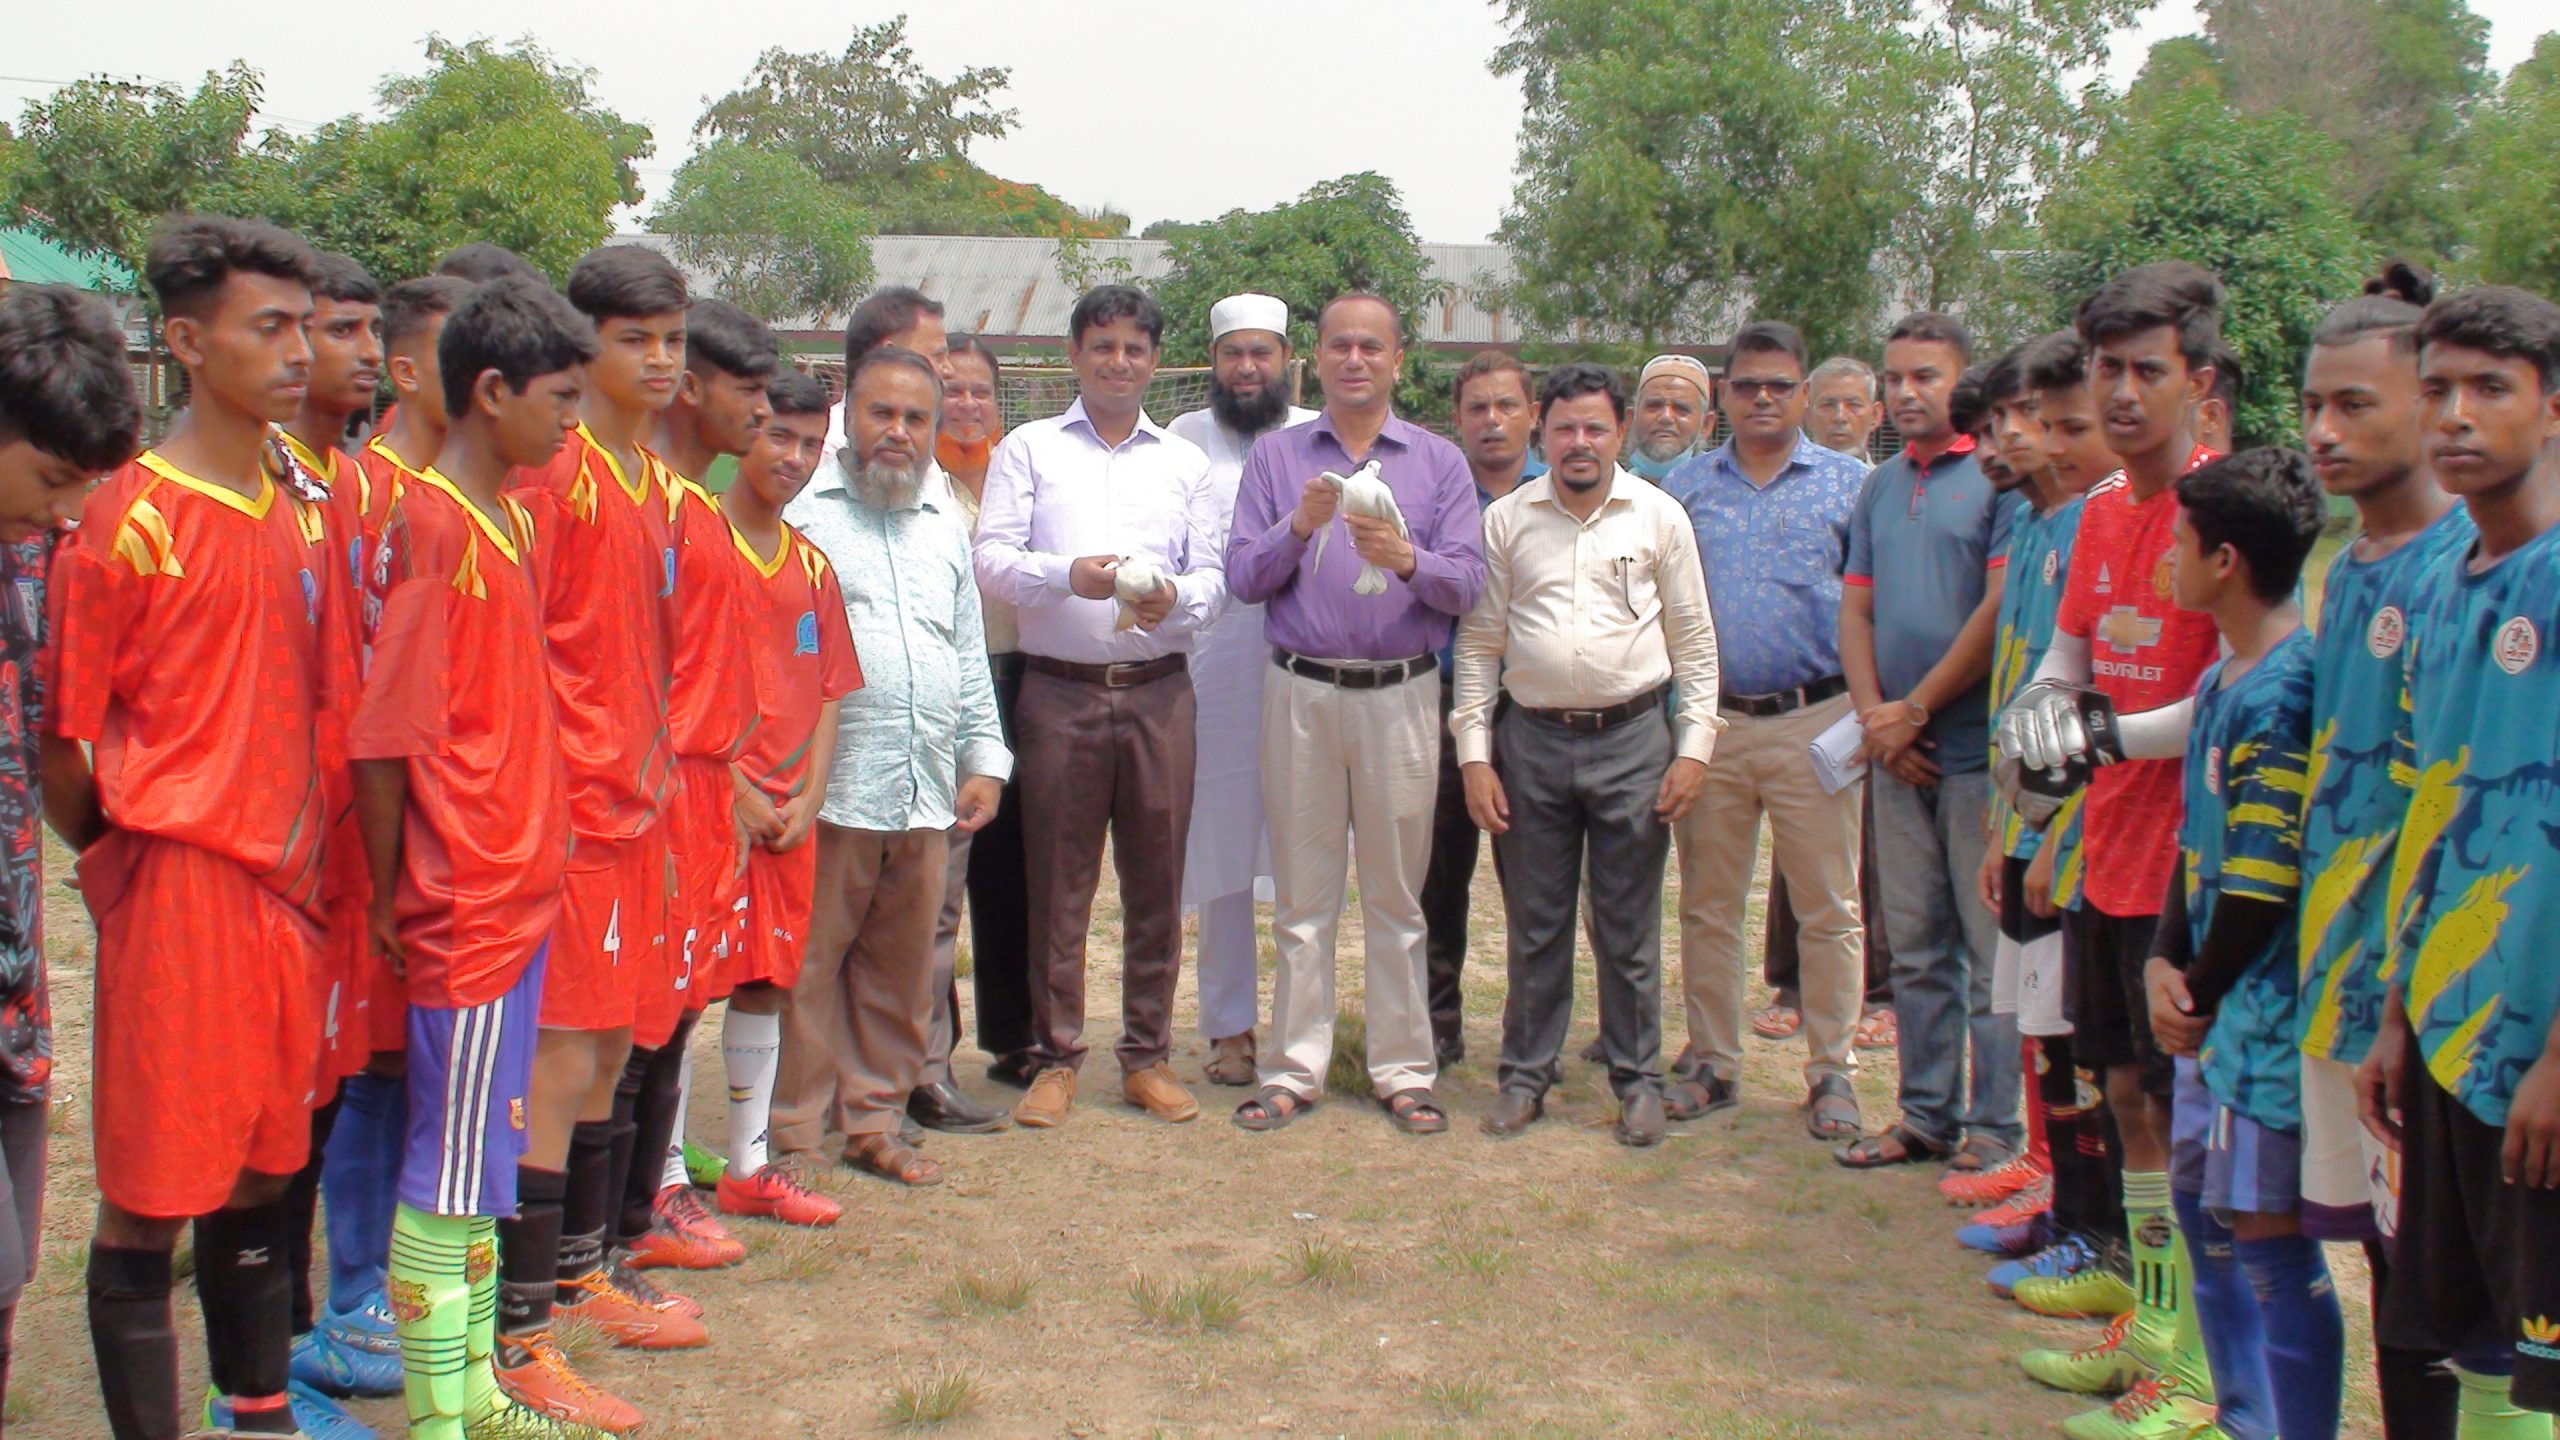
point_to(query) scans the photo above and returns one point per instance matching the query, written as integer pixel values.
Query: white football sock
(752, 1045)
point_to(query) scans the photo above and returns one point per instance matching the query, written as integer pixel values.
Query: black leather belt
(1356, 677)
(1764, 706)
(1111, 677)
(1592, 722)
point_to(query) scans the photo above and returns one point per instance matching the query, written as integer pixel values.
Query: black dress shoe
(943, 1106)
(1594, 1053)
(1640, 1121)
(1018, 1069)
(1513, 1111)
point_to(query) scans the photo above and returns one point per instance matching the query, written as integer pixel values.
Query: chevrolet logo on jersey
(2126, 630)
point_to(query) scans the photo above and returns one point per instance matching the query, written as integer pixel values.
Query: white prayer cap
(1248, 312)
(1683, 367)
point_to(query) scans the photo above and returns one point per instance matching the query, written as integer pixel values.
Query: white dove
(1133, 580)
(1363, 493)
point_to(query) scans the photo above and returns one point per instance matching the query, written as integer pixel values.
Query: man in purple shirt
(1351, 724)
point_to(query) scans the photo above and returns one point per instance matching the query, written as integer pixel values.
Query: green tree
(2192, 177)
(777, 240)
(1678, 155)
(1342, 235)
(504, 145)
(2510, 187)
(894, 137)
(98, 163)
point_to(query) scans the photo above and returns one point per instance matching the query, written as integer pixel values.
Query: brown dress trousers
(854, 1027)
(1096, 761)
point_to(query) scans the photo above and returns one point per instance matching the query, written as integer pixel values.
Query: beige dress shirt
(1581, 614)
(1004, 633)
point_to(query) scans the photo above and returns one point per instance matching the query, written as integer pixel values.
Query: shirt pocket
(1806, 553)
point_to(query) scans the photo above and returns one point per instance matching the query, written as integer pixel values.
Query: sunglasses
(1754, 389)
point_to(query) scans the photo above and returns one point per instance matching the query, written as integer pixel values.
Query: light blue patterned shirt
(1773, 554)
(926, 713)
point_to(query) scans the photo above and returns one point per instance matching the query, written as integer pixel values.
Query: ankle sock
(750, 1048)
(529, 1251)
(241, 1276)
(2227, 1327)
(134, 1332)
(359, 1180)
(2306, 1337)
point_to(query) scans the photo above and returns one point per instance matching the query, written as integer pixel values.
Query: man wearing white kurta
(1230, 852)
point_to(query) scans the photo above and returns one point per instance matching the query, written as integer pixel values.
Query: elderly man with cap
(1671, 415)
(1359, 606)
(1229, 852)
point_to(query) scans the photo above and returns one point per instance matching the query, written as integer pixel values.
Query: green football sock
(432, 1301)
(480, 1393)
(2162, 1317)
(2487, 1413)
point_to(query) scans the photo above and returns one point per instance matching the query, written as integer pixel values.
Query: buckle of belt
(1369, 677)
(1120, 674)
(1587, 722)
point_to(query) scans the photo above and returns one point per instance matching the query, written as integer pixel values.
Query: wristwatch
(1919, 713)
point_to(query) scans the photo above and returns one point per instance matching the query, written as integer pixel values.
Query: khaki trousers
(853, 1028)
(1365, 761)
(1761, 768)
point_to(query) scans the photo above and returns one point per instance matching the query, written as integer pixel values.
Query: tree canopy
(97, 163)
(1342, 235)
(776, 240)
(2510, 187)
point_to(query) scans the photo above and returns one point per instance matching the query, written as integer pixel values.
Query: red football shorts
(207, 1041)
(611, 947)
(711, 890)
(781, 891)
(342, 994)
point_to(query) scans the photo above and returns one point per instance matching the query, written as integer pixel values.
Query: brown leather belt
(1761, 707)
(1111, 677)
(1592, 722)
(1356, 677)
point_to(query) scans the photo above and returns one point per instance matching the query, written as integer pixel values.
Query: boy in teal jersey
(2221, 982)
(2463, 1076)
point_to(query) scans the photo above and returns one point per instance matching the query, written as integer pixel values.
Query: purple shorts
(2238, 1165)
(469, 1071)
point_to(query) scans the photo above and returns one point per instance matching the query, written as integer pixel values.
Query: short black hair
(2058, 361)
(2264, 503)
(791, 393)
(882, 356)
(622, 282)
(2184, 297)
(1105, 303)
(344, 279)
(194, 255)
(1395, 316)
(2004, 379)
(1966, 404)
(720, 336)
(1769, 337)
(65, 387)
(883, 313)
(2228, 376)
(2499, 320)
(410, 306)
(1490, 362)
(2391, 306)
(977, 345)
(1575, 379)
(516, 325)
(1931, 327)
(480, 262)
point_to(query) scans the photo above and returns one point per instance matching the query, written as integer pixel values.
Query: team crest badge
(479, 1262)
(2164, 574)
(2155, 1232)
(2518, 644)
(2213, 770)
(804, 636)
(2384, 636)
(2052, 565)
(408, 1300)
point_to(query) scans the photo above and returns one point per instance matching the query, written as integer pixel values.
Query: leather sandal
(1415, 1111)
(1272, 1107)
(891, 1159)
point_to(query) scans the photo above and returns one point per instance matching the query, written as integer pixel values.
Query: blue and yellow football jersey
(2359, 783)
(2475, 883)
(2039, 561)
(2247, 772)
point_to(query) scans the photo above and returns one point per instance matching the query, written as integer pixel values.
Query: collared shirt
(1531, 467)
(1581, 614)
(1773, 555)
(1055, 491)
(1313, 610)
(1926, 535)
(926, 713)
(1004, 627)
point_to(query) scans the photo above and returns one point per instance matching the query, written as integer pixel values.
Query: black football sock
(241, 1259)
(135, 1336)
(586, 1210)
(529, 1252)
(302, 1201)
(2421, 1396)
(654, 1121)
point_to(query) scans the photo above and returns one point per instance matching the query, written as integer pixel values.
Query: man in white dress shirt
(1229, 852)
(1106, 728)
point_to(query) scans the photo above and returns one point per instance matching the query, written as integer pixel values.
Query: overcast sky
(1162, 108)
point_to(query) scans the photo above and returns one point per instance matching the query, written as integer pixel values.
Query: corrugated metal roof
(25, 255)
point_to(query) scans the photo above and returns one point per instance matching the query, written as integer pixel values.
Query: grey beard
(886, 487)
(1647, 449)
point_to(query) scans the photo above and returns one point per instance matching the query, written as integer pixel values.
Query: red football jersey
(191, 645)
(711, 701)
(606, 565)
(2144, 652)
(460, 691)
(803, 652)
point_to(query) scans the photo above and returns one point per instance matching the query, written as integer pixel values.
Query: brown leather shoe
(1231, 1060)
(1053, 1094)
(1155, 1091)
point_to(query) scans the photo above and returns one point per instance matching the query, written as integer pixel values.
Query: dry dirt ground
(1123, 1277)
